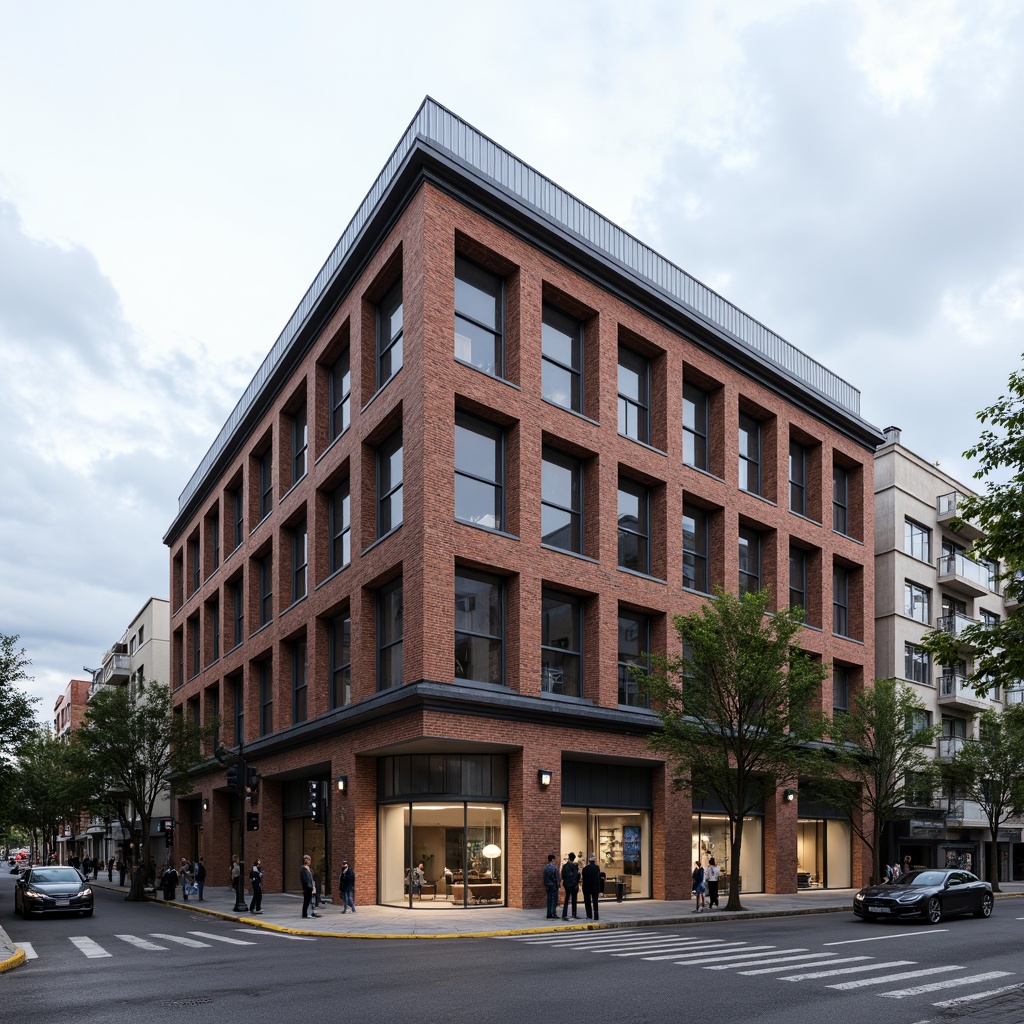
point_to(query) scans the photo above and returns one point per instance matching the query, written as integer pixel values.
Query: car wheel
(985, 910)
(934, 910)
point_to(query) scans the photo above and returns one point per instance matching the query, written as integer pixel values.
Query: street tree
(882, 761)
(989, 769)
(736, 707)
(16, 719)
(136, 747)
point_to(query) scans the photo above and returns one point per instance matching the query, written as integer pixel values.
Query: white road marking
(675, 956)
(849, 970)
(904, 976)
(714, 957)
(895, 935)
(181, 940)
(223, 938)
(27, 948)
(789, 967)
(977, 995)
(562, 937)
(771, 960)
(93, 950)
(936, 985)
(279, 935)
(134, 940)
(683, 945)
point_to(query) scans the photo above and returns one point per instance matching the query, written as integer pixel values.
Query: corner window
(695, 548)
(561, 507)
(840, 500)
(917, 602)
(300, 560)
(299, 687)
(339, 644)
(750, 561)
(634, 395)
(634, 527)
(561, 644)
(917, 541)
(339, 526)
(389, 636)
(750, 454)
(562, 359)
(479, 472)
(389, 484)
(479, 317)
(696, 418)
(389, 334)
(634, 645)
(479, 627)
(339, 396)
(797, 478)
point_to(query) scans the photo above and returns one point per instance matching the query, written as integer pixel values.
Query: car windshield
(44, 875)
(923, 878)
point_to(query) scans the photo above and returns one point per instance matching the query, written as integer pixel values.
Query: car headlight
(84, 893)
(859, 896)
(908, 897)
(35, 895)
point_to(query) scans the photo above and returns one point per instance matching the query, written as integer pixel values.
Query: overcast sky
(172, 176)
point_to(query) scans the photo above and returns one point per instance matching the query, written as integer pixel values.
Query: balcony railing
(953, 690)
(1014, 696)
(973, 576)
(946, 506)
(955, 623)
(950, 746)
(117, 666)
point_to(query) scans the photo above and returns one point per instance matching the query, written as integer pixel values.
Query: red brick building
(499, 444)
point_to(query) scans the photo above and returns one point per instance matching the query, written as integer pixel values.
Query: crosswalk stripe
(581, 942)
(936, 985)
(895, 935)
(554, 940)
(850, 970)
(675, 956)
(683, 945)
(714, 958)
(978, 995)
(181, 940)
(134, 940)
(28, 950)
(769, 960)
(904, 976)
(92, 949)
(789, 967)
(223, 938)
(277, 935)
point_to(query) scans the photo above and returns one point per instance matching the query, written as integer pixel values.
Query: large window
(797, 478)
(917, 602)
(266, 482)
(238, 517)
(238, 612)
(300, 560)
(195, 561)
(479, 472)
(634, 527)
(840, 690)
(561, 508)
(193, 642)
(215, 629)
(300, 443)
(265, 672)
(339, 644)
(695, 548)
(213, 525)
(389, 334)
(266, 582)
(634, 395)
(750, 560)
(917, 541)
(389, 484)
(339, 526)
(797, 578)
(300, 689)
(339, 396)
(840, 499)
(561, 644)
(562, 359)
(696, 409)
(840, 600)
(479, 317)
(389, 636)
(750, 454)
(479, 627)
(237, 708)
(917, 665)
(634, 645)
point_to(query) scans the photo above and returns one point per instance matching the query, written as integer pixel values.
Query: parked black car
(50, 890)
(933, 894)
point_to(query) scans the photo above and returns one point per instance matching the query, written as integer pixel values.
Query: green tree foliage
(16, 719)
(882, 760)
(990, 771)
(736, 707)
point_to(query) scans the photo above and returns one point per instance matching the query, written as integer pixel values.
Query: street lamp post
(242, 789)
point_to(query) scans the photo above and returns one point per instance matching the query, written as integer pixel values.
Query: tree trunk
(137, 892)
(993, 859)
(735, 844)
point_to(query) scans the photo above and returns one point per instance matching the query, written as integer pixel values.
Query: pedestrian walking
(236, 878)
(347, 885)
(698, 887)
(590, 877)
(711, 876)
(550, 876)
(256, 883)
(571, 885)
(110, 870)
(185, 871)
(306, 882)
(122, 870)
(200, 878)
(169, 882)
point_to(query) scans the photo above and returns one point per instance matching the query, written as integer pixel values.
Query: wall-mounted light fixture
(788, 796)
(544, 776)
(341, 782)
(206, 803)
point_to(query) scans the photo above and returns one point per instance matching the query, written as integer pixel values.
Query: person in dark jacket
(110, 870)
(256, 881)
(571, 885)
(591, 879)
(347, 885)
(699, 887)
(122, 870)
(169, 882)
(200, 878)
(306, 882)
(551, 886)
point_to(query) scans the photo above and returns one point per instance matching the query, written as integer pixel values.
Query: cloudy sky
(173, 176)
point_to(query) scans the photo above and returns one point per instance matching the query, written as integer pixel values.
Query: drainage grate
(196, 1001)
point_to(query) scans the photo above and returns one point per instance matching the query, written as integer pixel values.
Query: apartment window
(339, 526)
(562, 359)
(266, 483)
(561, 644)
(266, 581)
(695, 548)
(917, 665)
(339, 396)
(213, 525)
(266, 678)
(840, 499)
(300, 560)
(917, 541)
(195, 562)
(750, 454)
(917, 602)
(238, 518)
(479, 627)
(797, 578)
(840, 600)
(389, 334)
(300, 443)
(634, 395)
(339, 644)
(215, 628)
(750, 560)
(238, 603)
(561, 508)
(840, 690)
(299, 687)
(696, 416)
(142, 634)
(634, 527)
(238, 708)
(479, 472)
(989, 618)
(389, 636)
(920, 719)
(634, 644)
(797, 478)
(479, 317)
(389, 484)
(193, 642)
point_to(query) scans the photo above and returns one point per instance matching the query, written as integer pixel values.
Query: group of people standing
(896, 870)
(705, 885)
(192, 878)
(572, 880)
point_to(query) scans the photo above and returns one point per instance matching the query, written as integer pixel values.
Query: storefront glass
(620, 840)
(711, 839)
(824, 854)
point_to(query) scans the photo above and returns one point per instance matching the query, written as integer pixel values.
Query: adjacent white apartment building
(925, 579)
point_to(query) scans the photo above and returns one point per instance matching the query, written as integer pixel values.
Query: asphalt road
(175, 965)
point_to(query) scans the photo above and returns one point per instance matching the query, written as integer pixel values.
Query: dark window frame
(642, 532)
(300, 443)
(390, 341)
(571, 328)
(300, 681)
(265, 574)
(265, 671)
(339, 503)
(266, 481)
(696, 556)
(917, 538)
(696, 427)
(749, 461)
(497, 583)
(798, 586)
(797, 478)
(471, 268)
(841, 601)
(840, 499)
(629, 694)
(639, 404)
(339, 395)
(754, 543)
(386, 649)
(482, 429)
(300, 560)
(391, 498)
(339, 646)
(549, 672)
(573, 512)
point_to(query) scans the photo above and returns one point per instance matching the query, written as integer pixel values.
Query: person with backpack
(571, 885)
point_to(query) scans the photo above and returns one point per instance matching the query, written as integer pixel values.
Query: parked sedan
(932, 894)
(51, 890)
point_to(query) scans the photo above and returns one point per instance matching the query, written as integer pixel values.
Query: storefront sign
(1008, 835)
(927, 830)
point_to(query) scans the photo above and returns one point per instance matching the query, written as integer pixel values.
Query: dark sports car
(48, 890)
(932, 894)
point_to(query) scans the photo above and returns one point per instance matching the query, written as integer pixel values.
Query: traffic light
(252, 784)
(233, 777)
(316, 800)
(169, 835)
(252, 821)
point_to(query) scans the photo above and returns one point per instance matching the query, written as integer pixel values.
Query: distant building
(69, 708)
(926, 578)
(498, 446)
